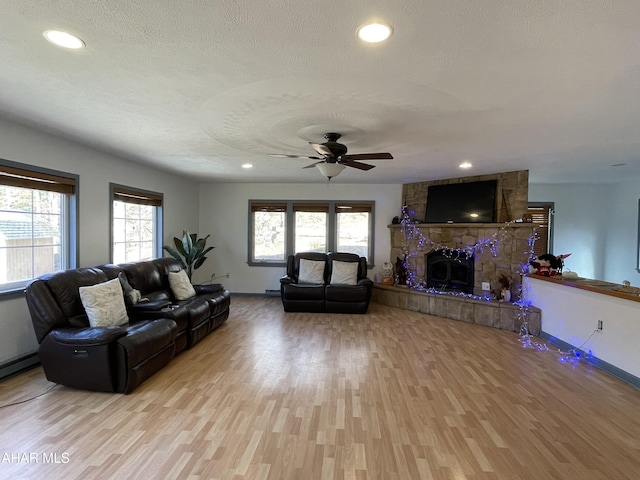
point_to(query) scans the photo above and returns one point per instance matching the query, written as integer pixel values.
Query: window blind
(129, 195)
(19, 177)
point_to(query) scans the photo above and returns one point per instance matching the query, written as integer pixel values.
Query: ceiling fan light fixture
(330, 170)
(374, 32)
(63, 39)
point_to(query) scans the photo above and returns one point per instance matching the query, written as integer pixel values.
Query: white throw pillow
(344, 273)
(180, 285)
(104, 304)
(311, 271)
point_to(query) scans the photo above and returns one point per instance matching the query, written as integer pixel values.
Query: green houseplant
(189, 250)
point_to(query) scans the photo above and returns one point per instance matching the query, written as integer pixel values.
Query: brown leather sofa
(325, 296)
(118, 358)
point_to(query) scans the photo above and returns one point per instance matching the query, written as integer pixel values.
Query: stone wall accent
(494, 314)
(512, 194)
(511, 253)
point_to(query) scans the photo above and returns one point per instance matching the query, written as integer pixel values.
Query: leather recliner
(118, 358)
(325, 297)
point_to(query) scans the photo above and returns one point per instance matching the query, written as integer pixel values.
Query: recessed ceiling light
(247, 165)
(465, 165)
(374, 32)
(63, 39)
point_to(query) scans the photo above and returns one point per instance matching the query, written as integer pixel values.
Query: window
(353, 229)
(310, 227)
(136, 232)
(281, 228)
(268, 222)
(541, 216)
(37, 223)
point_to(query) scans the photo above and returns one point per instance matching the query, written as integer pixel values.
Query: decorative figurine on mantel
(401, 271)
(548, 265)
(387, 273)
(505, 287)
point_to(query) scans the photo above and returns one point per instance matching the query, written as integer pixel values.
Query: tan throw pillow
(104, 304)
(344, 273)
(311, 271)
(180, 285)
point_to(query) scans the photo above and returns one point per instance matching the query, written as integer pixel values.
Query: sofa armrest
(366, 281)
(150, 306)
(208, 288)
(287, 280)
(89, 336)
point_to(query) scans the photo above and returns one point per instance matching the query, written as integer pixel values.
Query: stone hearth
(503, 315)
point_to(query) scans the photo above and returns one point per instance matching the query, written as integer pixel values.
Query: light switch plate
(486, 286)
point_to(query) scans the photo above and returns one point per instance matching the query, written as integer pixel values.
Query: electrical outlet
(600, 325)
(486, 286)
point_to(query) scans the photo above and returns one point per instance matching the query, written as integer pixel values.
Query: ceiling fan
(333, 157)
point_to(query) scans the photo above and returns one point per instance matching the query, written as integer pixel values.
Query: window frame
(22, 175)
(550, 206)
(138, 196)
(290, 226)
(638, 245)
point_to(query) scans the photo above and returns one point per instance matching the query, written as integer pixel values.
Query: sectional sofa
(133, 334)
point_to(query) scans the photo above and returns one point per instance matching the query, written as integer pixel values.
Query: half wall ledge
(503, 315)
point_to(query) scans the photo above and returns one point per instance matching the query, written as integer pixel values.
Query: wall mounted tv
(472, 202)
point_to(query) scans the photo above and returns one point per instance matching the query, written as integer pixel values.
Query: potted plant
(189, 250)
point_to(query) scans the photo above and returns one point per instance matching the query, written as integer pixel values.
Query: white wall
(580, 224)
(622, 234)
(598, 224)
(224, 214)
(96, 169)
(571, 315)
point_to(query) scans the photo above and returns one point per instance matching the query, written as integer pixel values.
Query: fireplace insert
(449, 270)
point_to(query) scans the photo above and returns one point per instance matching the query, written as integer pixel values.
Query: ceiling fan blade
(358, 165)
(314, 164)
(282, 155)
(369, 156)
(321, 149)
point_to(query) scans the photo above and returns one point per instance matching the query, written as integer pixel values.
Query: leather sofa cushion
(198, 309)
(302, 291)
(143, 276)
(64, 286)
(146, 338)
(218, 303)
(347, 293)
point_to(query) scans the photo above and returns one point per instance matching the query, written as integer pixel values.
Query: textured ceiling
(201, 87)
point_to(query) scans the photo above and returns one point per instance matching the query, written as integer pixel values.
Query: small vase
(506, 295)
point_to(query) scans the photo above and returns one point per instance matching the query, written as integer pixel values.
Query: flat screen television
(472, 202)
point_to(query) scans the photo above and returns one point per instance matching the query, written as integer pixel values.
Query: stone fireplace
(449, 271)
(510, 254)
(507, 256)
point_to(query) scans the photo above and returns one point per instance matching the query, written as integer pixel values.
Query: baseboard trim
(596, 362)
(19, 365)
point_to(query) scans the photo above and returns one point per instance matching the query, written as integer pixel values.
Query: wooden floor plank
(389, 395)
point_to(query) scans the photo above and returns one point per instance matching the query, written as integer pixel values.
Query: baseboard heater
(272, 293)
(18, 365)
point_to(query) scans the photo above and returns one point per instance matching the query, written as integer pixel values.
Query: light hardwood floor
(391, 395)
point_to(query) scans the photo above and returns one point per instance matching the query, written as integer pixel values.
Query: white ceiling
(200, 87)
